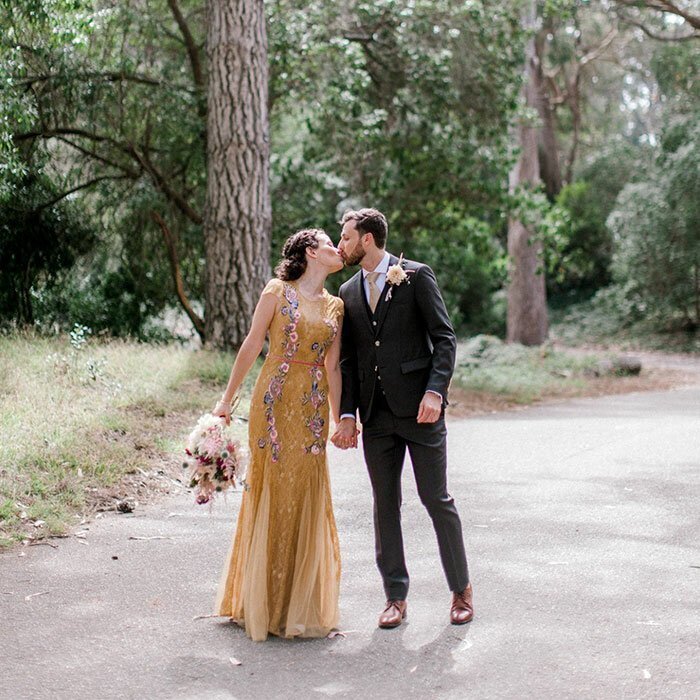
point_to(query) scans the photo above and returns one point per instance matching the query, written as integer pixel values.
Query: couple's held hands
(345, 434)
(430, 408)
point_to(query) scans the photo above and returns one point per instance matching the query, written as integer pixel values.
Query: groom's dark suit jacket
(407, 345)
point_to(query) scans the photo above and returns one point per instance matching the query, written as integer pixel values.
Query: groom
(397, 358)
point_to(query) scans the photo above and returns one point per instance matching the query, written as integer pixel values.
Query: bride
(283, 572)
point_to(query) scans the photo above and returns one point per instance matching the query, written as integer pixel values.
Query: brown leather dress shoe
(462, 610)
(394, 614)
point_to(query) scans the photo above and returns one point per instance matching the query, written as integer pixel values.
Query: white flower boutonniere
(395, 275)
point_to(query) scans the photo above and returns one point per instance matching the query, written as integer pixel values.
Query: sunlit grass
(66, 434)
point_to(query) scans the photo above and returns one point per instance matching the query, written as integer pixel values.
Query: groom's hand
(345, 434)
(430, 408)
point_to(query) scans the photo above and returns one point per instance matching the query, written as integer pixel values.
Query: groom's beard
(355, 258)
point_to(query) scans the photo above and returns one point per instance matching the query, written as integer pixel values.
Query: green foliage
(675, 67)
(403, 106)
(108, 110)
(515, 372)
(584, 254)
(118, 300)
(580, 253)
(40, 239)
(469, 263)
(656, 228)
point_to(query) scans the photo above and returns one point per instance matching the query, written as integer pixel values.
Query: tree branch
(102, 159)
(671, 8)
(62, 131)
(110, 76)
(158, 178)
(83, 186)
(190, 43)
(653, 35)
(197, 321)
(598, 50)
(164, 186)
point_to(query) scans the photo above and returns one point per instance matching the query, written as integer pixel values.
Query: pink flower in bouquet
(211, 445)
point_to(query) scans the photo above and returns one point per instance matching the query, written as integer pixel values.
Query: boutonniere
(395, 275)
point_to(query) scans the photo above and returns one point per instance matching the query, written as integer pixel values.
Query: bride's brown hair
(293, 263)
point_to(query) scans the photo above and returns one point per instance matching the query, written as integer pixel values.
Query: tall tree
(238, 218)
(550, 170)
(526, 320)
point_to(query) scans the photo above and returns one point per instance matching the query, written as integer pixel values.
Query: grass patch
(492, 376)
(75, 440)
(588, 323)
(515, 373)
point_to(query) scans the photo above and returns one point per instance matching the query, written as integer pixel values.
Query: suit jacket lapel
(385, 302)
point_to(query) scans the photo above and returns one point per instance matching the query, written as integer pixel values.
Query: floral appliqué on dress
(290, 346)
(317, 397)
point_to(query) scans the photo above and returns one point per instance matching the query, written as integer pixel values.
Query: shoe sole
(466, 622)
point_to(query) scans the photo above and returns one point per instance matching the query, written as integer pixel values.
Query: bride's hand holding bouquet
(214, 455)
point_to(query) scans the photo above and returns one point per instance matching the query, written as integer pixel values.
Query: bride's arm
(250, 349)
(335, 381)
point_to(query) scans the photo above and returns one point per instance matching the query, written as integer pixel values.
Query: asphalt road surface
(582, 524)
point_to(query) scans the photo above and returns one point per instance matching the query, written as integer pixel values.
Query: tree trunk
(696, 275)
(550, 170)
(238, 217)
(527, 302)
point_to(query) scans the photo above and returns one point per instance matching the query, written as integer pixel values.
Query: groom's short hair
(369, 221)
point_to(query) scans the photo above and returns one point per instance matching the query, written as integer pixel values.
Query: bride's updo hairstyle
(293, 263)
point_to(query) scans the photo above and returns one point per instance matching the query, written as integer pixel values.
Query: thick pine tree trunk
(237, 219)
(527, 301)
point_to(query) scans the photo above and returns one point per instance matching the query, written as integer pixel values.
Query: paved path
(582, 526)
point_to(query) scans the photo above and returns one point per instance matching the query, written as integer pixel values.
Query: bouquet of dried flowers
(214, 458)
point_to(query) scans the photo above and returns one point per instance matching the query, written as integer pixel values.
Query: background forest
(412, 106)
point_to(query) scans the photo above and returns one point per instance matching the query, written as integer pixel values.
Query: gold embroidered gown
(283, 572)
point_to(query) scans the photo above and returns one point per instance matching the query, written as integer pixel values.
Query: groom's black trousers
(385, 439)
